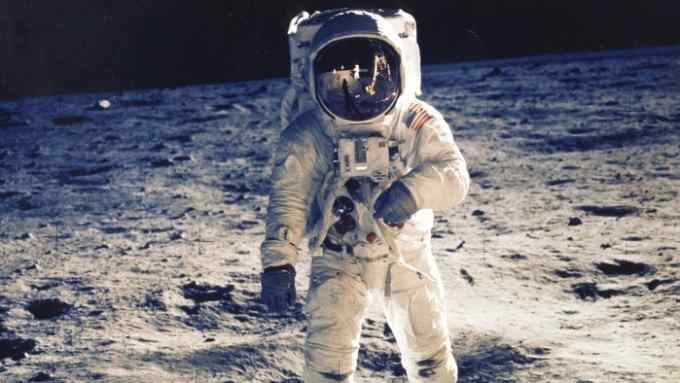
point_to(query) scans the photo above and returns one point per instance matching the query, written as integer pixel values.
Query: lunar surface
(130, 224)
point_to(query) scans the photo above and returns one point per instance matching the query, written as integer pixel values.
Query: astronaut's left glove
(395, 205)
(278, 287)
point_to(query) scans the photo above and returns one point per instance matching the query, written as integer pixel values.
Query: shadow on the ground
(491, 363)
(281, 360)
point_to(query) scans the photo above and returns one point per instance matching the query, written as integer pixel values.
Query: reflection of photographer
(361, 174)
(381, 71)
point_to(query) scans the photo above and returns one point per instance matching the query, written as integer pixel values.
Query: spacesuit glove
(278, 287)
(395, 205)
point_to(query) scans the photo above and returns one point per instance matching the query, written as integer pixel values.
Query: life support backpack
(301, 31)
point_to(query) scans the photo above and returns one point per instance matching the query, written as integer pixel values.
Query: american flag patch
(420, 116)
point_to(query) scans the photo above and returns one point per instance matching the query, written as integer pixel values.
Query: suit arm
(439, 178)
(299, 166)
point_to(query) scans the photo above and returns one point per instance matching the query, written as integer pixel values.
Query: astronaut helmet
(357, 78)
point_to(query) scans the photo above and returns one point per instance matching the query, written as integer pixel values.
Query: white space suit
(366, 260)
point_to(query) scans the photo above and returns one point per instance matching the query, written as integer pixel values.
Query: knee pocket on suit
(334, 309)
(426, 316)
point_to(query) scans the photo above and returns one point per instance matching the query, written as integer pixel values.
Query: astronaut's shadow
(491, 362)
(280, 360)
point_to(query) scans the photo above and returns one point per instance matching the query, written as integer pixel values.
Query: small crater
(111, 138)
(114, 230)
(242, 311)
(70, 120)
(16, 348)
(590, 291)
(233, 199)
(181, 138)
(48, 308)
(221, 107)
(609, 211)
(569, 273)
(9, 194)
(560, 181)
(635, 238)
(246, 224)
(653, 284)
(200, 293)
(154, 301)
(623, 267)
(162, 163)
(89, 171)
(43, 377)
(495, 72)
(581, 130)
(492, 360)
(182, 158)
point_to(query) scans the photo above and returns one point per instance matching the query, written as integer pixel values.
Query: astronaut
(360, 175)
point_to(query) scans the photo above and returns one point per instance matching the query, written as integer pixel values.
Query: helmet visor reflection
(357, 79)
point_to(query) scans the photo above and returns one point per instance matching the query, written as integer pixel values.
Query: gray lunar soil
(129, 235)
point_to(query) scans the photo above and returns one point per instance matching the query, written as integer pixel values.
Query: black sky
(85, 45)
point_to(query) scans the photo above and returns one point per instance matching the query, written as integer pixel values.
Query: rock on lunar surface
(16, 348)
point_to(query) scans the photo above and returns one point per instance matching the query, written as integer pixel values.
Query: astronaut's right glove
(395, 205)
(278, 287)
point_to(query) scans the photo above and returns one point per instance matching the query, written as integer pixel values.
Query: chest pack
(371, 157)
(301, 31)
